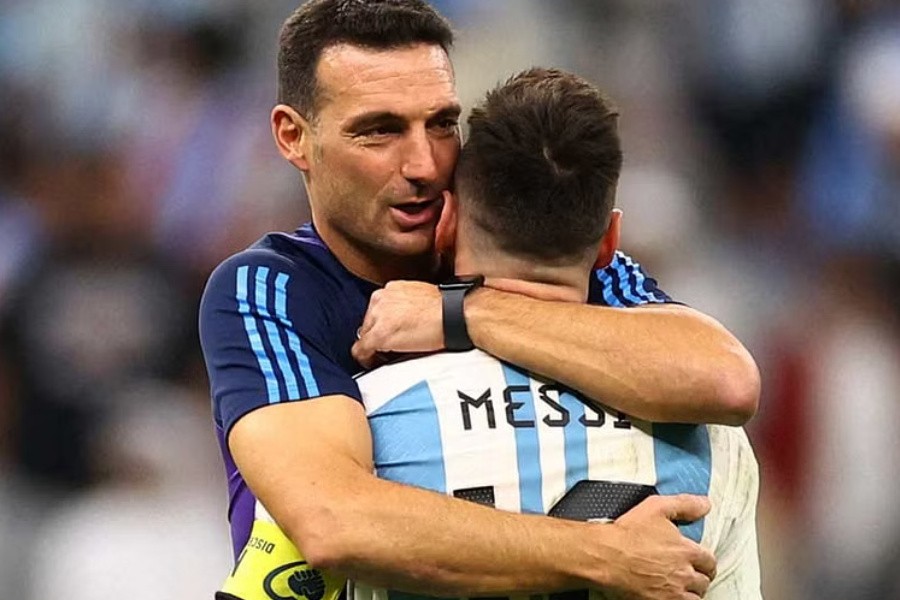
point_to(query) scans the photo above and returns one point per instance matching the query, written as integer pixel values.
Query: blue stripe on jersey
(639, 279)
(634, 285)
(627, 284)
(611, 277)
(306, 372)
(683, 465)
(262, 306)
(576, 447)
(281, 282)
(606, 285)
(256, 342)
(409, 448)
(528, 445)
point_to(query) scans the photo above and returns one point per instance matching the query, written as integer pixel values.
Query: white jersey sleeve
(731, 525)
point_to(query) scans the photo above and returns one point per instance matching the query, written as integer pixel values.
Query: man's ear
(292, 133)
(610, 242)
(445, 231)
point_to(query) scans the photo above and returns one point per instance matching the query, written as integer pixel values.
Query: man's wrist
(607, 564)
(596, 555)
(453, 297)
(489, 311)
(478, 309)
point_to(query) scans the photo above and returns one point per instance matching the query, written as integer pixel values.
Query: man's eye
(448, 124)
(380, 131)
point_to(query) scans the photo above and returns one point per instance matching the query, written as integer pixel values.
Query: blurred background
(762, 185)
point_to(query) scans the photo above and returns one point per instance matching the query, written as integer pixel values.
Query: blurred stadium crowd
(762, 185)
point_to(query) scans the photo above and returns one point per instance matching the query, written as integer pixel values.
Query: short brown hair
(319, 24)
(539, 169)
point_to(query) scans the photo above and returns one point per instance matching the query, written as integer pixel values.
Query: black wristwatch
(453, 293)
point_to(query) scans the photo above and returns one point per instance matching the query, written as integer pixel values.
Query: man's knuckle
(656, 502)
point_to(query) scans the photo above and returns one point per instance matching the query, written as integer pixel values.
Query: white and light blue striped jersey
(470, 426)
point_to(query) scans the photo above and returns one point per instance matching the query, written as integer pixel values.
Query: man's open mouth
(415, 208)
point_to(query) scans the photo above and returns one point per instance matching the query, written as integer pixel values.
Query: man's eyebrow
(369, 119)
(384, 117)
(453, 111)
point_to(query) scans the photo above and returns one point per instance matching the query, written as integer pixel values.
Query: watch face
(462, 282)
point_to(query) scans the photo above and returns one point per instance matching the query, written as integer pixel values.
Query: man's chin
(409, 244)
(413, 244)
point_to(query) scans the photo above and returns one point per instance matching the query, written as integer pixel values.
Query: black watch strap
(456, 334)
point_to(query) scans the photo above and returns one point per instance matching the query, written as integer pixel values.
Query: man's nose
(419, 164)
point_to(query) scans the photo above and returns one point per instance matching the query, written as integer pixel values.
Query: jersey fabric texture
(277, 322)
(470, 426)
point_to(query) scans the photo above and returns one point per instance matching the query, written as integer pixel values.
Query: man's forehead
(353, 75)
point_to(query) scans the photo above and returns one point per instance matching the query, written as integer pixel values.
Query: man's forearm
(398, 537)
(342, 518)
(316, 480)
(664, 363)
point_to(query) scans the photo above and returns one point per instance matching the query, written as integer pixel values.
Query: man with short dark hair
(538, 174)
(377, 141)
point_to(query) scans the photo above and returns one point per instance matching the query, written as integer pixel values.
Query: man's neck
(540, 291)
(567, 283)
(379, 268)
